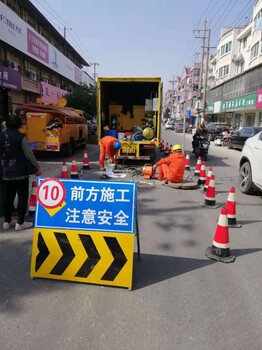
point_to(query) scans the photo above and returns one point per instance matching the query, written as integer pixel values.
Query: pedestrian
(15, 155)
(172, 168)
(109, 147)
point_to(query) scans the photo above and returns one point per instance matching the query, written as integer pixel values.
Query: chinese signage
(243, 102)
(210, 108)
(10, 79)
(36, 46)
(82, 231)
(50, 93)
(86, 205)
(259, 99)
(17, 33)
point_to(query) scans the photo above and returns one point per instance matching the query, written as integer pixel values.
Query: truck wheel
(245, 179)
(67, 149)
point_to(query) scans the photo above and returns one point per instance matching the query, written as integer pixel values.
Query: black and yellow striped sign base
(104, 258)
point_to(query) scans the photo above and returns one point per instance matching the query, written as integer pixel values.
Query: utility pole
(172, 87)
(201, 68)
(206, 72)
(95, 74)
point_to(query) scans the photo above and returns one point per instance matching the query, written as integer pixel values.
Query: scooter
(202, 149)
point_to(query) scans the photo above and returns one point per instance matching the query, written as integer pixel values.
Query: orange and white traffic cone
(231, 209)
(220, 250)
(162, 146)
(198, 166)
(167, 149)
(64, 172)
(74, 171)
(202, 174)
(209, 174)
(187, 161)
(32, 201)
(170, 148)
(85, 161)
(210, 197)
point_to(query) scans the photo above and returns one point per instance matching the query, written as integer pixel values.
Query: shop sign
(259, 99)
(10, 79)
(243, 102)
(210, 108)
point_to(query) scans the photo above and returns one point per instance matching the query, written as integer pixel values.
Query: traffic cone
(187, 161)
(170, 148)
(198, 166)
(167, 150)
(85, 161)
(74, 171)
(64, 172)
(162, 146)
(209, 174)
(202, 174)
(210, 197)
(32, 201)
(220, 250)
(231, 209)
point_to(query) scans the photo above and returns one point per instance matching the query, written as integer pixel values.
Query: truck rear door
(36, 127)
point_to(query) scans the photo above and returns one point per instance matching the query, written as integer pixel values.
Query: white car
(169, 125)
(250, 165)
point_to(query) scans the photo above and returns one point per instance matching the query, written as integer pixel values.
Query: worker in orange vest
(109, 147)
(172, 168)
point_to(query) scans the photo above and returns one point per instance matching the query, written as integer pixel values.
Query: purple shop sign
(259, 99)
(37, 47)
(10, 79)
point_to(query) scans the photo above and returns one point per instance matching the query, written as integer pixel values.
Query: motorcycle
(202, 149)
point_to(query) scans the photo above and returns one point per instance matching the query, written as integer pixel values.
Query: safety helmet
(117, 145)
(177, 148)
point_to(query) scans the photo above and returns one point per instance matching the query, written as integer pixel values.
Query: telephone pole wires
(95, 64)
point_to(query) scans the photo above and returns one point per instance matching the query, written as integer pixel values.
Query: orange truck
(54, 128)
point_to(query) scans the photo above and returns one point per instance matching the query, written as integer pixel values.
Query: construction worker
(172, 168)
(109, 147)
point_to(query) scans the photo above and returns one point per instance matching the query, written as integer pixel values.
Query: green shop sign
(243, 102)
(210, 108)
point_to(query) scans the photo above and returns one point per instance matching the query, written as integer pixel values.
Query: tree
(167, 113)
(83, 97)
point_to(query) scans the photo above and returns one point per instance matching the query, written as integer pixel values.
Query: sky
(143, 37)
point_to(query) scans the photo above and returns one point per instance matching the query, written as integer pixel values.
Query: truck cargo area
(124, 112)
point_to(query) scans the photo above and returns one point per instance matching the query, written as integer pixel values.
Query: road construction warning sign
(84, 231)
(91, 257)
(86, 205)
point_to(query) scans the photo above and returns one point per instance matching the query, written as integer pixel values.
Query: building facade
(35, 59)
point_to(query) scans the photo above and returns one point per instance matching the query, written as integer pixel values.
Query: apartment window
(196, 72)
(226, 48)
(254, 51)
(223, 71)
(258, 21)
(244, 42)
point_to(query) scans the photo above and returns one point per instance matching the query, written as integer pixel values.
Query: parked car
(169, 125)
(180, 126)
(250, 165)
(216, 129)
(238, 138)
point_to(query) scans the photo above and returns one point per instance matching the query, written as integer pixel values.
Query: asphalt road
(180, 299)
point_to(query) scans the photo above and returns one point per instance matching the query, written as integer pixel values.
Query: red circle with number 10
(51, 193)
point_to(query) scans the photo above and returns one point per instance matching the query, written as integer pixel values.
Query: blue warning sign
(86, 205)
